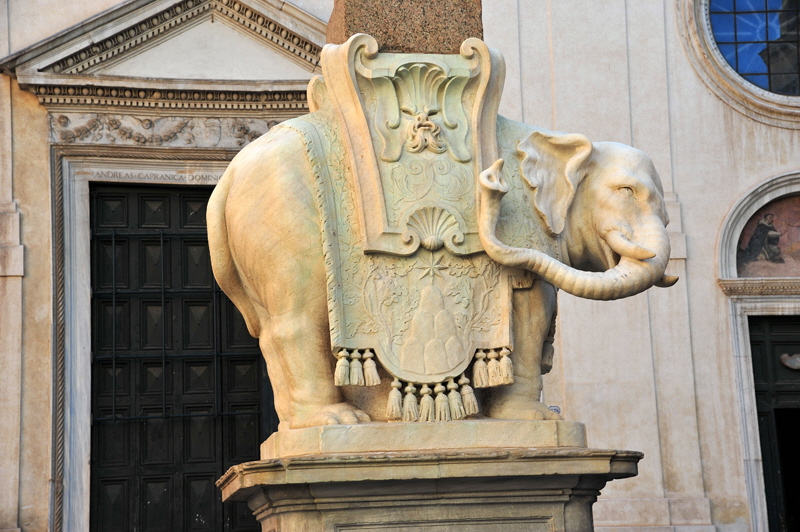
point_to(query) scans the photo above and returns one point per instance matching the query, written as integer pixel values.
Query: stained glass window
(759, 39)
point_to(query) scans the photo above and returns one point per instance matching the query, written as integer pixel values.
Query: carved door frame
(72, 294)
(741, 308)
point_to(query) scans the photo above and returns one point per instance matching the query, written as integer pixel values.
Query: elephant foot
(335, 414)
(524, 409)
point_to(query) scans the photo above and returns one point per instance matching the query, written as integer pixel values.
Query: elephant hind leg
(300, 366)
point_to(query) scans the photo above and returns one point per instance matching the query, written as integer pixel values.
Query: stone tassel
(410, 408)
(356, 371)
(394, 407)
(495, 376)
(506, 366)
(442, 404)
(456, 405)
(341, 376)
(371, 377)
(480, 374)
(426, 408)
(468, 397)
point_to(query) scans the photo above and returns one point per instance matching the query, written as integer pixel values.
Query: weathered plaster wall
(26, 304)
(32, 191)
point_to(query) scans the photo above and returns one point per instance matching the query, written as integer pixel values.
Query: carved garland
(170, 18)
(171, 99)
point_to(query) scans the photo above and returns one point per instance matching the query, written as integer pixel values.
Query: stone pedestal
(470, 475)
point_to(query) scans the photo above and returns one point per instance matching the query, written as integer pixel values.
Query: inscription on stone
(151, 175)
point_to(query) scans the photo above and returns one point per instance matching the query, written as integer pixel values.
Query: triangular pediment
(245, 48)
(209, 50)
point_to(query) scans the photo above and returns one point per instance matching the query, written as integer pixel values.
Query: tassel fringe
(371, 377)
(480, 373)
(468, 397)
(356, 370)
(442, 404)
(341, 377)
(410, 408)
(394, 409)
(495, 376)
(506, 366)
(426, 407)
(454, 398)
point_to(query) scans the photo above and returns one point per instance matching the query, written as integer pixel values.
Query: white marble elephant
(600, 203)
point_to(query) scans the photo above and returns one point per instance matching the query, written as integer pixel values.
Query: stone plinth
(465, 484)
(423, 437)
(408, 26)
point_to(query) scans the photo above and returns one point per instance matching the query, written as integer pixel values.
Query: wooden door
(179, 388)
(777, 388)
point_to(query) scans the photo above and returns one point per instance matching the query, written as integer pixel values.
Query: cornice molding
(778, 286)
(159, 100)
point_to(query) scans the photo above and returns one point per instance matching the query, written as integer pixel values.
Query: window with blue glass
(759, 39)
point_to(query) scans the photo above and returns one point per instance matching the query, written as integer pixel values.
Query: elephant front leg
(533, 309)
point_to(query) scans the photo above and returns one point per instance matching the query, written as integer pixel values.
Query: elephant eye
(433, 112)
(407, 111)
(626, 190)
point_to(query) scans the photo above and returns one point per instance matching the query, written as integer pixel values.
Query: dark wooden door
(179, 388)
(777, 388)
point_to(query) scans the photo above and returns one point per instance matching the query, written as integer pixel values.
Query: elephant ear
(554, 164)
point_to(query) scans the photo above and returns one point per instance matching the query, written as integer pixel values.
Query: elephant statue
(316, 259)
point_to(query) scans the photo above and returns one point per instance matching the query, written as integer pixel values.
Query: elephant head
(603, 202)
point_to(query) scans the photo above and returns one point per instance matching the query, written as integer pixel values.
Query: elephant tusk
(624, 247)
(666, 281)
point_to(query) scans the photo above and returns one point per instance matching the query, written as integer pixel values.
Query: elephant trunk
(630, 276)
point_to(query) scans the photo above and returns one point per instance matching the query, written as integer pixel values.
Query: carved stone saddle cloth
(395, 144)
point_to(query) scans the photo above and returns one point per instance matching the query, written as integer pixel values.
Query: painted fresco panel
(769, 245)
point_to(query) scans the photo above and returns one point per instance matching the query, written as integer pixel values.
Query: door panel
(777, 390)
(179, 387)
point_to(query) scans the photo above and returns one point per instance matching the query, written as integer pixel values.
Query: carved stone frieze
(67, 95)
(89, 58)
(173, 131)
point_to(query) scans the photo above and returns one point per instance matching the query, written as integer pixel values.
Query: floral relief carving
(92, 128)
(429, 180)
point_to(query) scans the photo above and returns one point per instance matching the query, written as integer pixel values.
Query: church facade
(129, 381)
